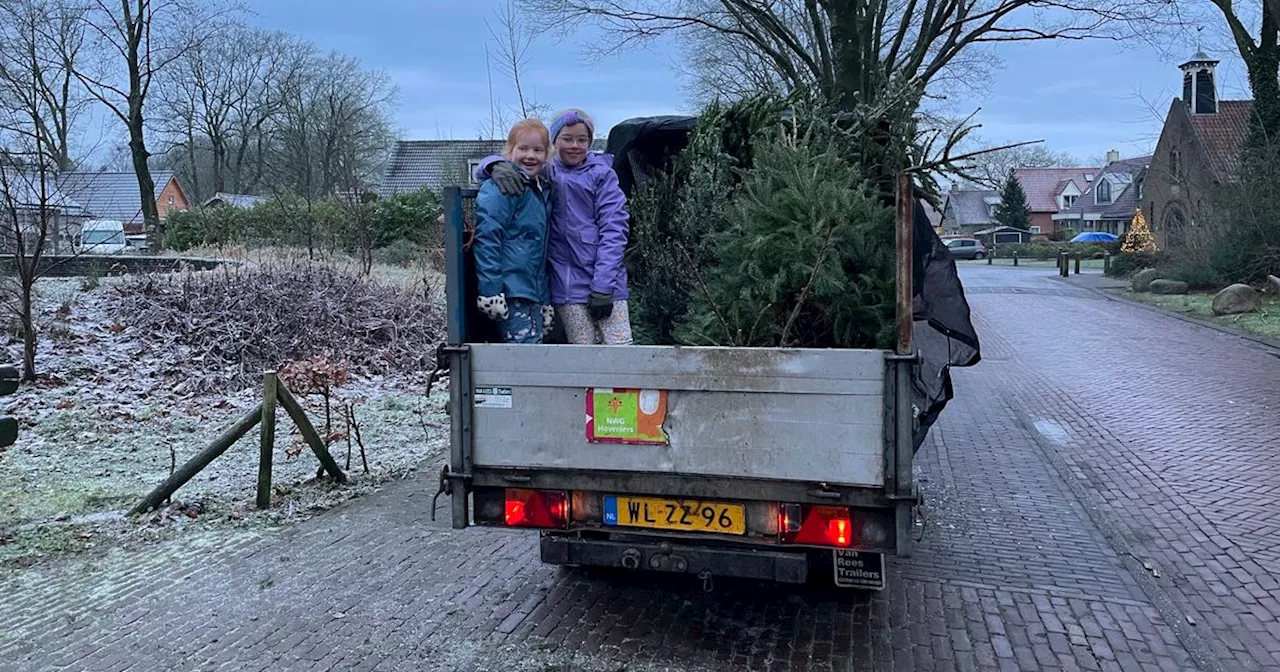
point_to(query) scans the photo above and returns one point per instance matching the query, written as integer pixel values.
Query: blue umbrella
(1095, 237)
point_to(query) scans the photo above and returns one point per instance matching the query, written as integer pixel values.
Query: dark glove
(510, 180)
(600, 306)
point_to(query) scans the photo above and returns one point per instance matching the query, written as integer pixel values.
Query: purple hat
(569, 118)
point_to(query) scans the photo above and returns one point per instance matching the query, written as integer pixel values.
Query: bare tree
(880, 56)
(37, 110)
(511, 40)
(332, 131)
(219, 99)
(512, 44)
(51, 32)
(1261, 57)
(139, 39)
(991, 170)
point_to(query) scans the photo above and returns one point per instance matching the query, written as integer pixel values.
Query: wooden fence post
(200, 461)
(267, 444)
(1077, 256)
(1106, 263)
(299, 417)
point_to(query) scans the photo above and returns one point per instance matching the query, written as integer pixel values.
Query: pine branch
(813, 276)
(697, 274)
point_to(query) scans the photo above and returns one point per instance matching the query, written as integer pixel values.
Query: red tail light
(816, 525)
(537, 508)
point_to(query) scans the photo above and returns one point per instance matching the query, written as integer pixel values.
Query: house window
(1173, 163)
(1068, 201)
(472, 166)
(171, 201)
(1035, 230)
(1102, 195)
(991, 210)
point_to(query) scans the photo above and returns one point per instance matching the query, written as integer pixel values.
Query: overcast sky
(1080, 97)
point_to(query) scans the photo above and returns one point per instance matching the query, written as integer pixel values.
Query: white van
(102, 236)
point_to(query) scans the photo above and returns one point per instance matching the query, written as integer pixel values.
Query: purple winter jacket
(587, 230)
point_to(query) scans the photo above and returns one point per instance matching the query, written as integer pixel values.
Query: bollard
(1064, 267)
(991, 257)
(1015, 257)
(1077, 256)
(1106, 263)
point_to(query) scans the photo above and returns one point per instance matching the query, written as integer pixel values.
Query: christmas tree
(1014, 210)
(1139, 238)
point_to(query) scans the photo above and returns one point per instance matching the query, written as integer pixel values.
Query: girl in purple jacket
(588, 233)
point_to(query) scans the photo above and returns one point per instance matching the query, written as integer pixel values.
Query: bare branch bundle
(222, 328)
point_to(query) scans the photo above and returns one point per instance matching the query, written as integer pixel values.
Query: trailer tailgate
(779, 414)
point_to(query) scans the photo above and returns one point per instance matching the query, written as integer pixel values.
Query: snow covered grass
(110, 415)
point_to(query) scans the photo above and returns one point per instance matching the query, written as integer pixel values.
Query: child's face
(572, 144)
(530, 153)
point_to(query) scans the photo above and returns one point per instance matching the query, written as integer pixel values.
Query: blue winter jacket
(511, 242)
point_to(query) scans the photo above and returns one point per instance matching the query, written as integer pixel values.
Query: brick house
(1199, 149)
(1111, 200)
(113, 195)
(1051, 191)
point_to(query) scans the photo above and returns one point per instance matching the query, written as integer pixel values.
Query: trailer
(776, 464)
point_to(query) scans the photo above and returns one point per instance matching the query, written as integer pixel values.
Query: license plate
(859, 569)
(672, 514)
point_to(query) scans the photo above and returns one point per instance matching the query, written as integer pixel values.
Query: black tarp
(944, 334)
(644, 145)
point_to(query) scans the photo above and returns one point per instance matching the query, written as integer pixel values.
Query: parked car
(967, 248)
(102, 236)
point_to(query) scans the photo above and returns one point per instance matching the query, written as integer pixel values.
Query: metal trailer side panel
(803, 415)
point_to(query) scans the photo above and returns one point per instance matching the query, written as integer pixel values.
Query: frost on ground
(129, 387)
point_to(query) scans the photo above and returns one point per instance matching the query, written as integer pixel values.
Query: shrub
(1197, 276)
(1028, 250)
(184, 229)
(400, 252)
(1126, 264)
(410, 217)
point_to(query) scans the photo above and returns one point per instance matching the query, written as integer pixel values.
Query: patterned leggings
(582, 330)
(523, 323)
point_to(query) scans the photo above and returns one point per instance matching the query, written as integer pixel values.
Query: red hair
(525, 126)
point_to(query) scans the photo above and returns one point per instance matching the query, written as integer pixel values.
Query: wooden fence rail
(264, 412)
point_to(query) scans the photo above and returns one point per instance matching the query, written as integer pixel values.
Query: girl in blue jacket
(510, 243)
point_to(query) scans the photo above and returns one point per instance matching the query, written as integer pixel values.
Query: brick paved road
(1097, 446)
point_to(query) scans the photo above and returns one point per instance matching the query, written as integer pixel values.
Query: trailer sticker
(627, 416)
(493, 397)
(858, 569)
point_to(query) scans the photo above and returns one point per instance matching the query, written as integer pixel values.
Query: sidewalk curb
(1113, 295)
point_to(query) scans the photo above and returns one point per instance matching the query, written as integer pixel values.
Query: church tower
(1199, 91)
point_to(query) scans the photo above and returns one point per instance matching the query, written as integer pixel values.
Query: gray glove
(510, 180)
